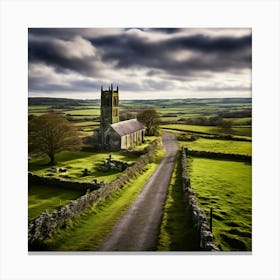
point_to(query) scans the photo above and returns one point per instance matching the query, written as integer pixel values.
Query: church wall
(112, 140)
(131, 140)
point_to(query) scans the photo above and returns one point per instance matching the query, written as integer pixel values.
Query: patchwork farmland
(209, 125)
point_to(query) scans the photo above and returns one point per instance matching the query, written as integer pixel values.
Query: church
(114, 135)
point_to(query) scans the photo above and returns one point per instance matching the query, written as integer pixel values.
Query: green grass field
(184, 128)
(226, 186)
(42, 197)
(76, 161)
(42, 108)
(242, 131)
(240, 121)
(221, 146)
(84, 112)
(86, 124)
(88, 231)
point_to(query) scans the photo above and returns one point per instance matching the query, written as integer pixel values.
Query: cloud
(208, 54)
(165, 30)
(159, 59)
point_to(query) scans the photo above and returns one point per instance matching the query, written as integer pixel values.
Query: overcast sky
(146, 63)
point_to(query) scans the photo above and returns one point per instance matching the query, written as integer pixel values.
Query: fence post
(211, 217)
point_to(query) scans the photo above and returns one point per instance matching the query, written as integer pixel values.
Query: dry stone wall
(83, 186)
(198, 214)
(217, 155)
(43, 226)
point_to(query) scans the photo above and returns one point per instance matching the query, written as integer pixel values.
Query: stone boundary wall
(43, 226)
(56, 182)
(216, 155)
(198, 214)
(226, 137)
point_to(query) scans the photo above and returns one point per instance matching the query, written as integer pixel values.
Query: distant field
(82, 118)
(86, 127)
(242, 131)
(38, 107)
(84, 112)
(186, 128)
(41, 198)
(239, 131)
(171, 111)
(86, 124)
(226, 187)
(220, 146)
(240, 121)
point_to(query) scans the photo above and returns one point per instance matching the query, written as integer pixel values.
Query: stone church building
(114, 135)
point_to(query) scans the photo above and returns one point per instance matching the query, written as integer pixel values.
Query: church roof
(127, 127)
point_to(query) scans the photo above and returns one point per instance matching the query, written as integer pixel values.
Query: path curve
(138, 229)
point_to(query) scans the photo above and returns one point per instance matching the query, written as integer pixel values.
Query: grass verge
(176, 232)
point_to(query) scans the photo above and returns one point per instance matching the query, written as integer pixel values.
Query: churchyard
(224, 185)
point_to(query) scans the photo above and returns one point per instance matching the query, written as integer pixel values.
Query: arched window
(115, 102)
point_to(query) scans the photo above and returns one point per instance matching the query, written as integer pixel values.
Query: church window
(115, 102)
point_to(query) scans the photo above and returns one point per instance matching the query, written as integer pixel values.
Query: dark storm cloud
(161, 52)
(207, 44)
(64, 33)
(50, 53)
(129, 50)
(210, 54)
(165, 30)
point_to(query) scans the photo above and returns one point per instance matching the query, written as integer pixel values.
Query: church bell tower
(109, 107)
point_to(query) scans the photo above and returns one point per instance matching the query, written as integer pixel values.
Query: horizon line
(54, 97)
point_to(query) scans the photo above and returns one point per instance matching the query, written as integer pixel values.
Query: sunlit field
(76, 162)
(184, 128)
(226, 186)
(42, 198)
(220, 146)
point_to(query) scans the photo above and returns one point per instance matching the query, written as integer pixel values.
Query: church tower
(109, 107)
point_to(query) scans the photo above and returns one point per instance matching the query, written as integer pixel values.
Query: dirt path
(138, 229)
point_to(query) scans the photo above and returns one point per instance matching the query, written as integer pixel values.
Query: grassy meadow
(226, 187)
(223, 185)
(220, 146)
(75, 162)
(212, 130)
(42, 198)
